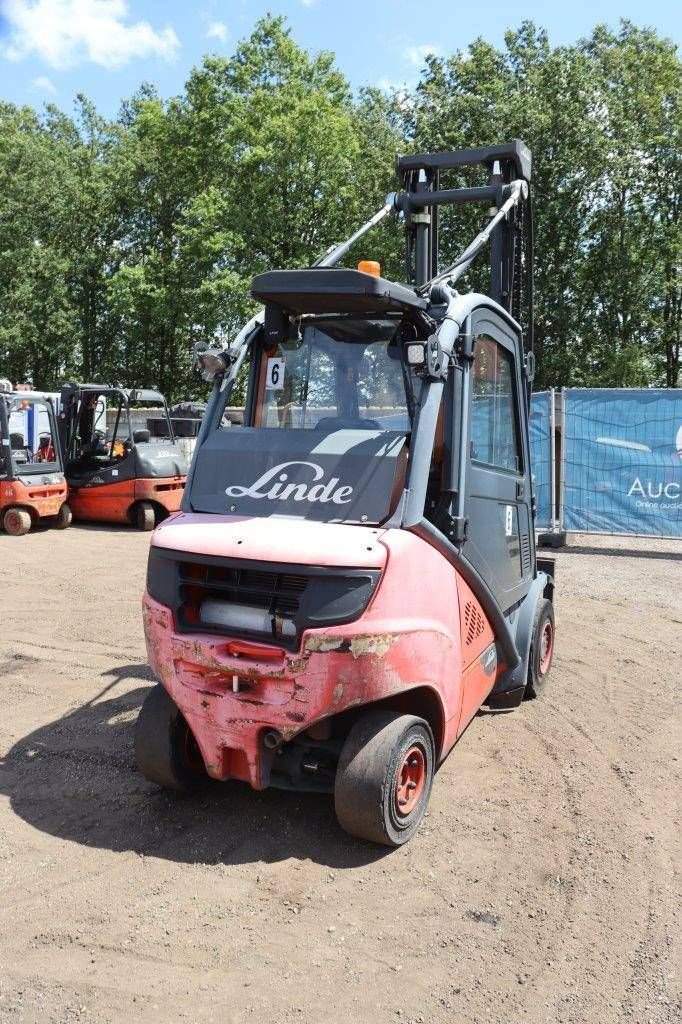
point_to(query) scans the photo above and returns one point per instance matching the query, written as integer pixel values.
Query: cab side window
(494, 433)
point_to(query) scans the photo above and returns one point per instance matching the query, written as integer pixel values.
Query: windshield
(148, 422)
(339, 373)
(327, 432)
(30, 426)
(107, 428)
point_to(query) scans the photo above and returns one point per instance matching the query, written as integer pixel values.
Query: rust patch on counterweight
(324, 644)
(375, 643)
(369, 643)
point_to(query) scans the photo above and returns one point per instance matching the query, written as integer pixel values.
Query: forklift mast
(511, 240)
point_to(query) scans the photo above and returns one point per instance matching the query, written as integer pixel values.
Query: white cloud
(44, 84)
(218, 30)
(308, 3)
(67, 32)
(416, 55)
(389, 84)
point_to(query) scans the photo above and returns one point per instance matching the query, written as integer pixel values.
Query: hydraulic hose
(337, 252)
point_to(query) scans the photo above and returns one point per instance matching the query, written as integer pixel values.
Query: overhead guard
(333, 290)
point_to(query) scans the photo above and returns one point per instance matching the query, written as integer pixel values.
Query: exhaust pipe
(273, 739)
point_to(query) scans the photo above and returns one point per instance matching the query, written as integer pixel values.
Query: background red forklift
(32, 485)
(122, 475)
(354, 572)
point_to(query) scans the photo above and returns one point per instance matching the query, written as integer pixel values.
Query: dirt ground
(541, 887)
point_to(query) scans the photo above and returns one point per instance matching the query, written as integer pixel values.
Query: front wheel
(16, 521)
(384, 777)
(166, 751)
(145, 518)
(63, 518)
(541, 650)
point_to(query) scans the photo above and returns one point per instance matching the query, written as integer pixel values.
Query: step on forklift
(353, 573)
(32, 486)
(124, 475)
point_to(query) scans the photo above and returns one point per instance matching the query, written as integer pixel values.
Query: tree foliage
(122, 243)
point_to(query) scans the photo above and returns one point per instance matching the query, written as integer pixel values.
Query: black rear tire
(145, 517)
(541, 650)
(165, 749)
(64, 518)
(16, 521)
(385, 753)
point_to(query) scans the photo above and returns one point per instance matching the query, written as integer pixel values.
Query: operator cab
(27, 436)
(32, 485)
(107, 434)
(330, 403)
(354, 414)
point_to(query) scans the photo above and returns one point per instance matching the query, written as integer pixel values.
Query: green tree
(274, 128)
(122, 243)
(37, 321)
(88, 229)
(633, 226)
(602, 120)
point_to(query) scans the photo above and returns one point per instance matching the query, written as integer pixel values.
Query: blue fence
(622, 461)
(542, 455)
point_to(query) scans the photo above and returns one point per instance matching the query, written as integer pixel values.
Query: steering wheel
(97, 444)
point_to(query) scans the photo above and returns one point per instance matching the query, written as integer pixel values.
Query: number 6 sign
(274, 377)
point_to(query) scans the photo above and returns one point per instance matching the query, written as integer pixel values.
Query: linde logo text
(273, 486)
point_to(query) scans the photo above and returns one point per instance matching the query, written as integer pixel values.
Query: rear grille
(277, 594)
(474, 623)
(263, 601)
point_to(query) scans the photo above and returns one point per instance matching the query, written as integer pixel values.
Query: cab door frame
(497, 499)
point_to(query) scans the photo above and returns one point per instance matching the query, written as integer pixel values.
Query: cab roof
(334, 290)
(130, 394)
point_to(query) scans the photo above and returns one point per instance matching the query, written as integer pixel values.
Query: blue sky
(52, 49)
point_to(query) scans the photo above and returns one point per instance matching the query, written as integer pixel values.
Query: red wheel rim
(13, 523)
(546, 647)
(410, 780)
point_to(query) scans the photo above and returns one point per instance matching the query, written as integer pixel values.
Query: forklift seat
(97, 445)
(141, 436)
(19, 449)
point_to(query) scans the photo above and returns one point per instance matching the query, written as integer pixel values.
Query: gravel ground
(541, 887)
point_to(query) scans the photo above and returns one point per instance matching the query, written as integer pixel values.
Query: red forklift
(32, 486)
(127, 474)
(353, 573)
